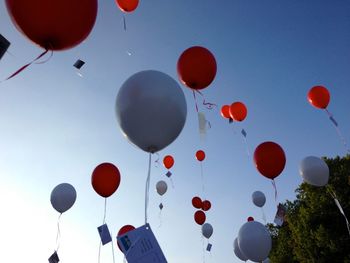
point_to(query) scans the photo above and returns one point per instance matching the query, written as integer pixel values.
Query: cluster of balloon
(319, 97)
(253, 242)
(315, 171)
(259, 200)
(270, 160)
(63, 197)
(127, 6)
(158, 98)
(196, 68)
(123, 230)
(52, 19)
(105, 181)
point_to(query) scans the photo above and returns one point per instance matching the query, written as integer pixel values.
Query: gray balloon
(238, 252)
(63, 197)
(314, 171)
(258, 198)
(207, 230)
(151, 110)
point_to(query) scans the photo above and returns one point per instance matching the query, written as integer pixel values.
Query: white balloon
(254, 241)
(314, 171)
(238, 252)
(207, 230)
(258, 198)
(161, 187)
(63, 197)
(151, 110)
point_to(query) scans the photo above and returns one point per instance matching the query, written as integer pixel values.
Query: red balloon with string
(196, 67)
(197, 202)
(319, 97)
(200, 155)
(206, 205)
(225, 112)
(54, 25)
(105, 179)
(127, 6)
(199, 217)
(269, 159)
(238, 111)
(168, 161)
(249, 219)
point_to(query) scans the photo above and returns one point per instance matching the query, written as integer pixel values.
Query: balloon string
(331, 118)
(124, 22)
(105, 212)
(244, 134)
(147, 187)
(275, 187)
(208, 105)
(113, 251)
(203, 249)
(332, 193)
(28, 64)
(195, 100)
(202, 177)
(58, 236)
(156, 162)
(263, 215)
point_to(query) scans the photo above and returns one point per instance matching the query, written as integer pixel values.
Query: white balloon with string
(161, 188)
(259, 200)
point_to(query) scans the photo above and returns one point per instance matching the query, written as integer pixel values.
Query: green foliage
(315, 230)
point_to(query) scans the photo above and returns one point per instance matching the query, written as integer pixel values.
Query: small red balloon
(206, 205)
(269, 159)
(197, 202)
(199, 217)
(249, 219)
(196, 67)
(225, 111)
(105, 179)
(168, 161)
(125, 229)
(238, 111)
(54, 25)
(200, 155)
(319, 97)
(127, 6)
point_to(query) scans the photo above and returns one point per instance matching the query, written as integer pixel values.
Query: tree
(315, 230)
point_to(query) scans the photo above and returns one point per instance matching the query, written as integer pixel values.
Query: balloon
(250, 219)
(238, 252)
(258, 198)
(168, 161)
(127, 5)
(266, 260)
(161, 187)
(63, 197)
(105, 179)
(314, 171)
(318, 97)
(200, 155)
(151, 110)
(269, 159)
(196, 67)
(206, 205)
(125, 229)
(225, 111)
(199, 217)
(254, 241)
(238, 111)
(207, 230)
(197, 202)
(54, 25)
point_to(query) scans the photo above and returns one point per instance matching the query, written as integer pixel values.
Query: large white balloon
(314, 171)
(238, 252)
(207, 230)
(151, 110)
(161, 187)
(258, 198)
(254, 241)
(63, 197)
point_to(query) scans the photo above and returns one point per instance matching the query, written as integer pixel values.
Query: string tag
(244, 133)
(280, 215)
(161, 206)
(54, 258)
(104, 234)
(4, 45)
(168, 174)
(209, 247)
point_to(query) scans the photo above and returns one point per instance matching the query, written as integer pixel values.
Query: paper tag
(104, 234)
(168, 174)
(161, 206)
(202, 123)
(140, 245)
(54, 258)
(339, 206)
(209, 247)
(244, 133)
(280, 214)
(334, 121)
(4, 45)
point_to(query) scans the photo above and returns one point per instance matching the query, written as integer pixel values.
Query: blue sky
(56, 127)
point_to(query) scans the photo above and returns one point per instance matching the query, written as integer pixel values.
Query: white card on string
(104, 234)
(54, 258)
(202, 122)
(141, 246)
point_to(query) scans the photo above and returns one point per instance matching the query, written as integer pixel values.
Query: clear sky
(57, 127)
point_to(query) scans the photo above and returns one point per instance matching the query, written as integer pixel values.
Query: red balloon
(238, 111)
(200, 155)
(127, 5)
(269, 159)
(123, 231)
(168, 161)
(105, 179)
(199, 217)
(225, 111)
(319, 97)
(197, 202)
(54, 25)
(206, 205)
(196, 67)
(249, 219)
